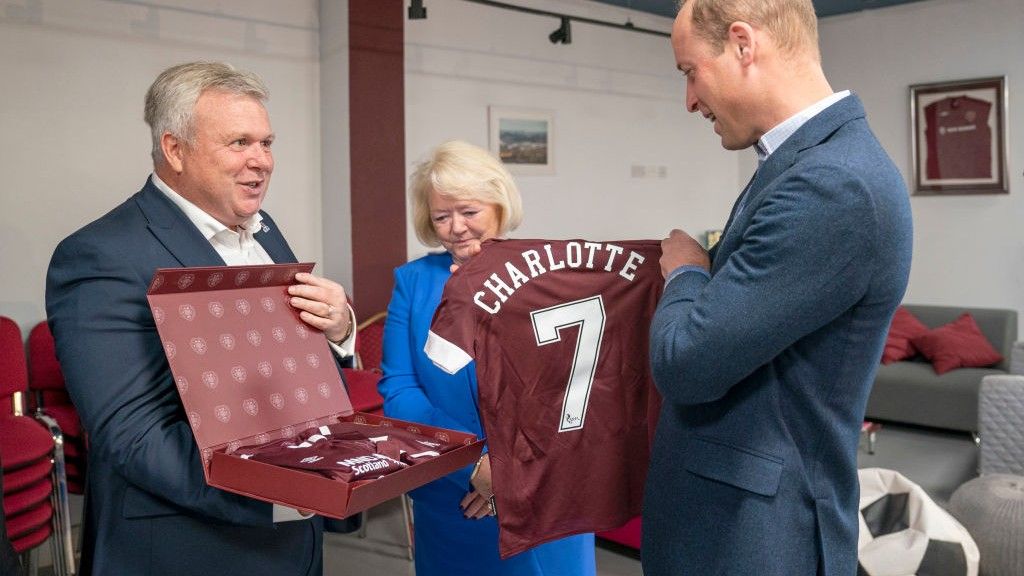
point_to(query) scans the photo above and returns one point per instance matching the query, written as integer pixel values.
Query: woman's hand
(475, 505)
(479, 502)
(322, 304)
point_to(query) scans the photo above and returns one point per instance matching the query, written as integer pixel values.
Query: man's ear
(173, 149)
(742, 42)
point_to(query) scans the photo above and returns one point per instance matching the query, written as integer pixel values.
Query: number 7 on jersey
(548, 323)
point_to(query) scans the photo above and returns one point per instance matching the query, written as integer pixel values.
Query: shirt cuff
(287, 514)
(683, 269)
(347, 347)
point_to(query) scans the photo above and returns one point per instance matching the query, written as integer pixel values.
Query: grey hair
(171, 100)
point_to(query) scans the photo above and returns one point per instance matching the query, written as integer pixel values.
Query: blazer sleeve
(405, 396)
(805, 257)
(118, 377)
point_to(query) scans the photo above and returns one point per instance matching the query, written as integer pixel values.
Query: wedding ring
(492, 505)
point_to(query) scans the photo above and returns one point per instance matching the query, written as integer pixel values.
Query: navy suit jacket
(765, 368)
(149, 512)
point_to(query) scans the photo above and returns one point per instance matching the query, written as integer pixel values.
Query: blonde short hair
(171, 100)
(792, 23)
(461, 171)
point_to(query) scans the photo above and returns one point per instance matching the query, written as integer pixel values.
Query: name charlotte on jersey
(576, 255)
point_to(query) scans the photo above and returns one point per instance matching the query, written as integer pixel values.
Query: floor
(383, 549)
(382, 552)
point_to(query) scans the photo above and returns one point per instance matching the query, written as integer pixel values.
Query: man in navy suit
(764, 348)
(149, 511)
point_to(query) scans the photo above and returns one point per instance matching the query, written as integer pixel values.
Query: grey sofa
(911, 392)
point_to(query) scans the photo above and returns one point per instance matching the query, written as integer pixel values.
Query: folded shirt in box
(348, 451)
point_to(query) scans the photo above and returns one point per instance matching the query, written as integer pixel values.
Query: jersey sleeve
(453, 329)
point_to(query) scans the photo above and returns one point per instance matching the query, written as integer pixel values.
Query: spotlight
(416, 10)
(563, 34)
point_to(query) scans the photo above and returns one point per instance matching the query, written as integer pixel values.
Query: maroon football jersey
(348, 459)
(559, 332)
(959, 138)
(398, 443)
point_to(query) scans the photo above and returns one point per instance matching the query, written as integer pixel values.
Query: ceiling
(823, 7)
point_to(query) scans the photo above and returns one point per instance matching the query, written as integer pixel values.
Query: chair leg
(30, 564)
(364, 518)
(62, 542)
(410, 548)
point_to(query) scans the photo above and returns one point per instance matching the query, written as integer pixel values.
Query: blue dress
(448, 544)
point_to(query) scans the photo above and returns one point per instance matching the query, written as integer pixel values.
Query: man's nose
(691, 101)
(260, 158)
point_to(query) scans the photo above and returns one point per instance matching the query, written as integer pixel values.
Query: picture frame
(523, 139)
(958, 137)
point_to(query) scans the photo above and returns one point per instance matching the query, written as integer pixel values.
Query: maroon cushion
(55, 397)
(26, 475)
(904, 328)
(13, 370)
(22, 441)
(24, 523)
(67, 419)
(26, 498)
(362, 390)
(75, 472)
(34, 539)
(959, 344)
(628, 534)
(43, 369)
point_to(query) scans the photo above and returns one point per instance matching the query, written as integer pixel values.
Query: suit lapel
(184, 241)
(813, 132)
(273, 242)
(174, 230)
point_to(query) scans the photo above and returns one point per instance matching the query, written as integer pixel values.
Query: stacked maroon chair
(370, 342)
(46, 382)
(362, 391)
(35, 500)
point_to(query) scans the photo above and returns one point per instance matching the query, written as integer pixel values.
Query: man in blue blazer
(764, 348)
(149, 511)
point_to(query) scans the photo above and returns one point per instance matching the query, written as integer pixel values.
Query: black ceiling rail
(563, 18)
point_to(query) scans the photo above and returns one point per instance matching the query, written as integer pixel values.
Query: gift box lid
(247, 368)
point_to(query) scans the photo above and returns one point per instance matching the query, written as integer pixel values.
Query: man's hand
(680, 249)
(322, 304)
(473, 250)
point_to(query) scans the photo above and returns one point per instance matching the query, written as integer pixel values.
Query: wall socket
(648, 171)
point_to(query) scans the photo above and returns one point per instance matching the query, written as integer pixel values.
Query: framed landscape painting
(523, 139)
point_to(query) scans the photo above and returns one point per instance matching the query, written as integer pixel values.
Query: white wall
(968, 250)
(617, 101)
(334, 141)
(74, 74)
(74, 144)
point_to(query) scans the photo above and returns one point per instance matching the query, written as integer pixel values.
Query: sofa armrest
(1017, 359)
(1001, 424)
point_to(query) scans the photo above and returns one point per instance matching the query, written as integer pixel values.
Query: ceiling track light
(563, 34)
(417, 11)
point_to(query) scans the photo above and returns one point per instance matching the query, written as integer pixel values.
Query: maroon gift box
(250, 371)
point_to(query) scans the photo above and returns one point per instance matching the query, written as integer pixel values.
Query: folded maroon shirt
(398, 443)
(340, 458)
(349, 451)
